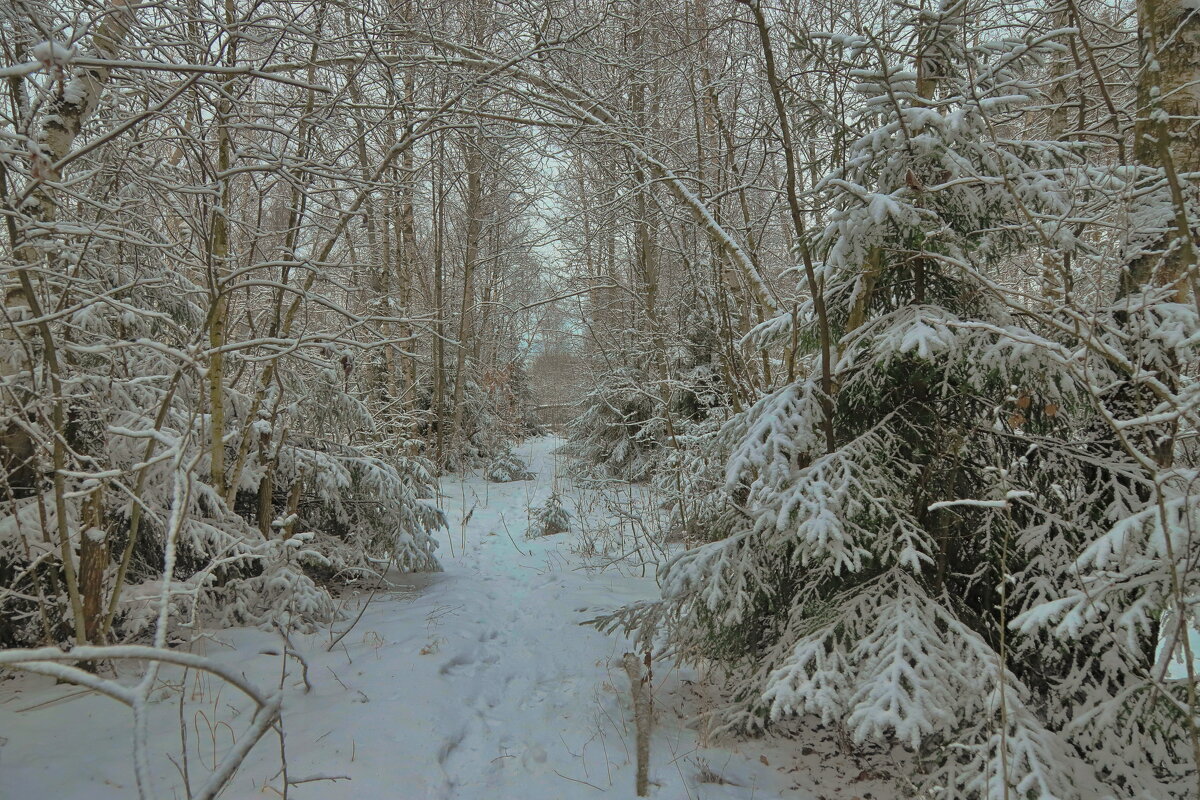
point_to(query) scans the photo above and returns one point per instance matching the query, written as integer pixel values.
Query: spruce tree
(919, 582)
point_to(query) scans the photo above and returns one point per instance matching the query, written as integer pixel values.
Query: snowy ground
(476, 683)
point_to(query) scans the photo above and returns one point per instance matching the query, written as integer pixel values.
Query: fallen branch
(48, 661)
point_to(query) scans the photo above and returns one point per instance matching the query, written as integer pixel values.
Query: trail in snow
(479, 682)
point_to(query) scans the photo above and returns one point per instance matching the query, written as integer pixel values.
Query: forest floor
(479, 682)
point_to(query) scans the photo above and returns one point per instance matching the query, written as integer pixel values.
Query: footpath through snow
(478, 682)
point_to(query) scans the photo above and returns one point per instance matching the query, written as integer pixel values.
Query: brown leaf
(763, 759)
(1051, 409)
(1023, 401)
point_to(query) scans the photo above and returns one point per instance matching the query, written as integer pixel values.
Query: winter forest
(692, 399)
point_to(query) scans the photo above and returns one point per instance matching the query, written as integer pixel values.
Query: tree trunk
(473, 163)
(439, 303)
(1167, 138)
(93, 560)
(219, 268)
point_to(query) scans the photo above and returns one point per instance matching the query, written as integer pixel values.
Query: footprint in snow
(532, 756)
(461, 660)
(450, 745)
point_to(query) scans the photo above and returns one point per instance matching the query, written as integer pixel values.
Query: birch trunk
(73, 106)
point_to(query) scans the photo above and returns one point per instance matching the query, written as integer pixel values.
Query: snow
(51, 54)
(479, 682)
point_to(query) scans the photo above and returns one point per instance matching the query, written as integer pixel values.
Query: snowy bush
(551, 518)
(616, 434)
(303, 446)
(690, 481)
(507, 467)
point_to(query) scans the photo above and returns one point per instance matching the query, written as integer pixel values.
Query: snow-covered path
(516, 688)
(479, 682)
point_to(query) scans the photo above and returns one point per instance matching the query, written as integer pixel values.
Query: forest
(373, 375)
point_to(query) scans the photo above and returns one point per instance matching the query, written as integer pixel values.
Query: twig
(183, 742)
(315, 778)
(576, 780)
(55, 701)
(361, 693)
(510, 537)
(361, 611)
